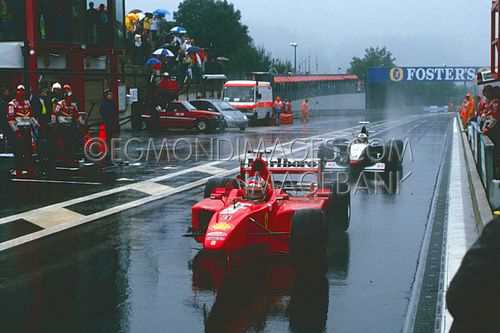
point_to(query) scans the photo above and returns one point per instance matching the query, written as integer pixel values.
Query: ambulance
(253, 98)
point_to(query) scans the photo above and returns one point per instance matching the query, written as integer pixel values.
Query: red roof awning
(314, 78)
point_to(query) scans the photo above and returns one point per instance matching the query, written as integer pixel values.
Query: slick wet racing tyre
(338, 212)
(308, 242)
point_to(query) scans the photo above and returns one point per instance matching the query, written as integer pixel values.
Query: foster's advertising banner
(422, 74)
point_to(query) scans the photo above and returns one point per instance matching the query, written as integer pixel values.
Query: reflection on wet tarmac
(128, 272)
(251, 290)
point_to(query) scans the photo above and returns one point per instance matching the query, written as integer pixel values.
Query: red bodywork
(234, 224)
(181, 114)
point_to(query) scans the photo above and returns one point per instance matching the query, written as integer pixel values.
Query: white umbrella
(164, 52)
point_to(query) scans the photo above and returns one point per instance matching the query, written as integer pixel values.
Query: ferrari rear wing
(283, 165)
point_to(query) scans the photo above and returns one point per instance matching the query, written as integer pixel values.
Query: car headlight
(245, 117)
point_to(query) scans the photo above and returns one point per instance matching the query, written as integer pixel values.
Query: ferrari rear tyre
(218, 182)
(308, 241)
(338, 214)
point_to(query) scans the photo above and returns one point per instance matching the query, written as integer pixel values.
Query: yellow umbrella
(132, 17)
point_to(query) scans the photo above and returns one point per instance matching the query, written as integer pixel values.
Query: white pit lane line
(151, 187)
(48, 181)
(457, 226)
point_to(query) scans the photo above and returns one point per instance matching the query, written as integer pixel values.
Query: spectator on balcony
(92, 24)
(102, 24)
(154, 30)
(138, 56)
(146, 44)
(146, 24)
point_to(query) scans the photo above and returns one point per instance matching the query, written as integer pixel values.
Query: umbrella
(178, 30)
(164, 52)
(135, 11)
(153, 61)
(141, 16)
(132, 17)
(161, 12)
(193, 49)
(222, 59)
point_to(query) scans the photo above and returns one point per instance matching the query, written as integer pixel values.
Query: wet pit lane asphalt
(134, 272)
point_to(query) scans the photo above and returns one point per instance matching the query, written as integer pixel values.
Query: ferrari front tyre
(218, 182)
(308, 241)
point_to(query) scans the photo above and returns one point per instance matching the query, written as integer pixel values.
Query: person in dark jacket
(5, 98)
(109, 113)
(473, 297)
(42, 108)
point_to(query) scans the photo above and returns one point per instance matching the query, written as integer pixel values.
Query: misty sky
(418, 32)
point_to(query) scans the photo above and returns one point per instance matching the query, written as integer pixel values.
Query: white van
(253, 98)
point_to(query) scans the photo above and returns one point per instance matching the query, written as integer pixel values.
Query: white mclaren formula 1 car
(362, 153)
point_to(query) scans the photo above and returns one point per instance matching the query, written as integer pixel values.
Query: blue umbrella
(193, 49)
(161, 12)
(153, 61)
(178, 30)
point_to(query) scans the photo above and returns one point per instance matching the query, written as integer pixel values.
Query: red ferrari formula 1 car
(256, 213)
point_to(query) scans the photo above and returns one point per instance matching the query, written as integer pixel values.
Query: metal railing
(483, 151)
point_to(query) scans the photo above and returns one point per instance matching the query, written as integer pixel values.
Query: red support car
(182, 114)
(256, 213)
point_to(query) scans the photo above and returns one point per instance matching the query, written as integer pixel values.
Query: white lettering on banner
(449, 74)
(420, 74)
(455, 74)
(429, 75)
(471, 74)
(440, 72)
(411, 74)
(460, 74)
(423, 74)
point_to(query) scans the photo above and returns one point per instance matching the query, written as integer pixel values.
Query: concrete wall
(334, 102)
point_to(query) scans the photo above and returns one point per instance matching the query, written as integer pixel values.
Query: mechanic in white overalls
(21, 120)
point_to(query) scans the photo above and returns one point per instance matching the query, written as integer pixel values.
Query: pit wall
(334, 102)
(321, 103)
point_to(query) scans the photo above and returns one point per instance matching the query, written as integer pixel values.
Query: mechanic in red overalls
(66, 116)
(21, 119)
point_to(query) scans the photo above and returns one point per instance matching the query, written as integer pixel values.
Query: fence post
(487, 162)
